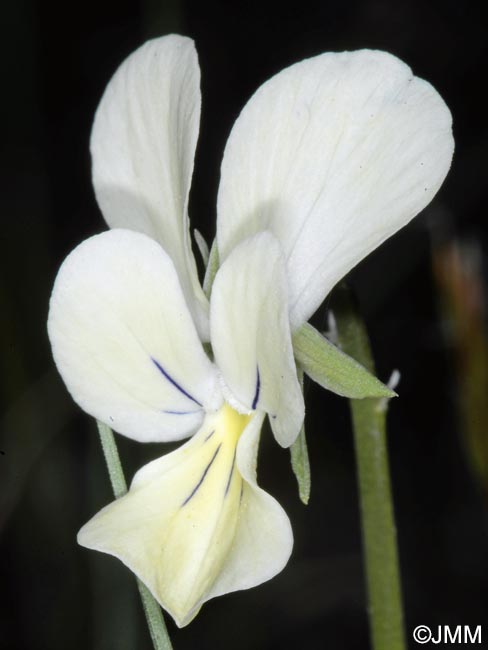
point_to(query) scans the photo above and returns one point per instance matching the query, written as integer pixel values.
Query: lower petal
(263, 541)
(193, 526)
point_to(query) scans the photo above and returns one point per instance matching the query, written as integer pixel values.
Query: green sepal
(334, 370)
(299, 459)
(212, 268)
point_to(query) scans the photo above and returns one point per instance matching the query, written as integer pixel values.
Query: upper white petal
(124, 341)
(333, 155)
(143, 146)
(250, 334)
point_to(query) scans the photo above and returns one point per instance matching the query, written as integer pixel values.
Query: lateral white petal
(263, 540)
(178, 526)
(250, 334)
(124, 341)
(143, 146)
(333, 155)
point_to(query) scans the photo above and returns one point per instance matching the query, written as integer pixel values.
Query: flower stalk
(154, 616)
(378, 525)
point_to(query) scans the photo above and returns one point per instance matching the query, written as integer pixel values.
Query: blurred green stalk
(377, 518)
(152, 610)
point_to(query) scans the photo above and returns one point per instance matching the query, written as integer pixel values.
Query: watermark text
(464, 634)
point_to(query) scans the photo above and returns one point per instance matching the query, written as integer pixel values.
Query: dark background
(58, 58)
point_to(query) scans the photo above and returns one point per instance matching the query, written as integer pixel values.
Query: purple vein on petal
(230, 474)
(258, 387)
(175, 383)
(202, 478)
(180, 412)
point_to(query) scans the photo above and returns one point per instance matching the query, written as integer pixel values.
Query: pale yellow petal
(177, 527)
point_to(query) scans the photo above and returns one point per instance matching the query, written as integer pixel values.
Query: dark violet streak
(172, 381)
(258, 387)
(180, 412)
(193, 492)
(209, 435)
(230, 474)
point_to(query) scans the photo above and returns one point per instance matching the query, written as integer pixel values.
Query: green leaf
(333, 369)
(212, 268)
(299, 459)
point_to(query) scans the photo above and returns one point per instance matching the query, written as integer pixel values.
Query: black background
(57, 60)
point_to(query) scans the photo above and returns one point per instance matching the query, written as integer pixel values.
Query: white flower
(328, 159)
(194, 523)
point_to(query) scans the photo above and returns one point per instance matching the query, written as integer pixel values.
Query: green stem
(112, 459)
(154, 618)
(152, 610)
(378, 525)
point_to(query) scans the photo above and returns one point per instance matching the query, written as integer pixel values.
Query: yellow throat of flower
(231, 423)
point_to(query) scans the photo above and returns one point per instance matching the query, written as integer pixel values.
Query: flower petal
(124, 341)
(180, 522)
(143, 146)
(263, 540)
(333, 155)
(251, 338)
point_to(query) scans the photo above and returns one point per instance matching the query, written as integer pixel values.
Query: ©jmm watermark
(447, 634)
